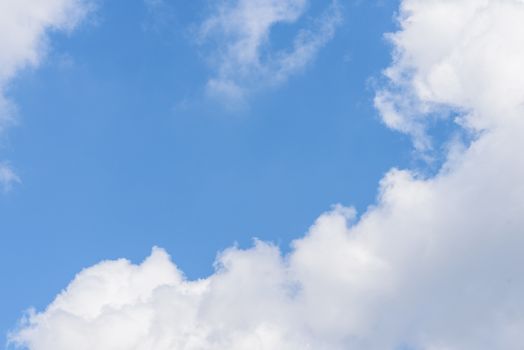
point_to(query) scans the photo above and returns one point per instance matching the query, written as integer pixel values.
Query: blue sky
(119, 148)
(261, 174)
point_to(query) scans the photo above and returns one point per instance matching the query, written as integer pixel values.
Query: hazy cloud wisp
(24, 25)
(238, 32)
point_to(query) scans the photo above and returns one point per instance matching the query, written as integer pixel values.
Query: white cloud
(242, 52)
(436, 264)
(470, 64)
(7, 176)
(24, 25)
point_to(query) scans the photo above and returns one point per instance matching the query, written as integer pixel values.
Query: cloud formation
(24, 25)
(242, 53)
(472, 65)
(7, 176)
(436, 264)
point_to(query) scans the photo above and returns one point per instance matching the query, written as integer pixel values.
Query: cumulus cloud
(23, 43)
(435, 264)
(470, 65)
(242, 52)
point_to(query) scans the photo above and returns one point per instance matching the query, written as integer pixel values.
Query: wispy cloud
(7, 176)
(437, 263)
(24, 25)
(241, 53)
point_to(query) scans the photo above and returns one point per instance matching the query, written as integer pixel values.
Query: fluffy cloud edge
(24, 43)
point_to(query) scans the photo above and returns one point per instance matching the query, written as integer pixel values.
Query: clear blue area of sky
(119, 150)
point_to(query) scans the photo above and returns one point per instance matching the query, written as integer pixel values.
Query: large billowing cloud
(436, 264)
(23, 42)
(465, 55)
(242, 55)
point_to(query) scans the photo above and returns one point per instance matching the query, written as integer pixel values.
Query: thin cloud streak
(241, 53)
